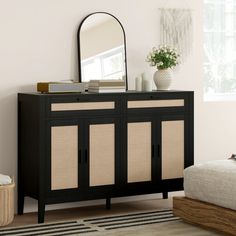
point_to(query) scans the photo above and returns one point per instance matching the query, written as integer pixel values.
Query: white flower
(152, 63)
(149, 56)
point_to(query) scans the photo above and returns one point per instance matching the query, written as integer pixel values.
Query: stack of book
(106, 86)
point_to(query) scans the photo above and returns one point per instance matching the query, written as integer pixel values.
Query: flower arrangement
(163, 57)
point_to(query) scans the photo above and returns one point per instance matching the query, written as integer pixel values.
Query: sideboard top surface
(129, 92)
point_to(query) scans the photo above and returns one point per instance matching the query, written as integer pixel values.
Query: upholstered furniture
(210, 196)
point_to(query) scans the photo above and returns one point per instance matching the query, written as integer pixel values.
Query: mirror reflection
(102, 48)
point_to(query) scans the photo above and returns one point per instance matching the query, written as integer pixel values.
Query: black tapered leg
(20, 206)
(41, 211)
(165, 195)
(108, 203)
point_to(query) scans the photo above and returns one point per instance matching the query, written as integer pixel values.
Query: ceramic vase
(163, 79)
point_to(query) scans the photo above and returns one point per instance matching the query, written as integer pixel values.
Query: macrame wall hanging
(176, 30)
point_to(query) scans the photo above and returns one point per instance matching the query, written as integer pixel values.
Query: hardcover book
(60, 87)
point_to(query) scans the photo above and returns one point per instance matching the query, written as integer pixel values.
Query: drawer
(83, 105)
(157, 102)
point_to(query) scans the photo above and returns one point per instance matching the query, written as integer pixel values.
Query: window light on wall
(220, 49)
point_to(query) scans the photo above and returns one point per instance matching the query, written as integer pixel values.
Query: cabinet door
(103, 147)
(140, 150)
(172, 147)
(63, 164)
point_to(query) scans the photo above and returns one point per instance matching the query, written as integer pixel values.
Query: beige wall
(101, 38)
(38, 43)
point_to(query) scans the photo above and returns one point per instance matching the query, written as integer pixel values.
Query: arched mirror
(101, 48)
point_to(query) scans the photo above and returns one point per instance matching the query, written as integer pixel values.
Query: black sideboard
(74, 147)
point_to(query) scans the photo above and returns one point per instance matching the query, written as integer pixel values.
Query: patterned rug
(142, 223)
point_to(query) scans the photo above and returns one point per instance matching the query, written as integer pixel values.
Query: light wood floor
(93, 211)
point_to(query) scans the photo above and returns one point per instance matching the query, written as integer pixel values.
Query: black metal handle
(79, 156)
(86, 156)
(159, 150)
(153, 150)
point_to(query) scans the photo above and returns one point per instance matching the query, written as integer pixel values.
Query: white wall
(38, 43)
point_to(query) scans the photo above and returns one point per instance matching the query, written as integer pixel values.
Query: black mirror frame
(78, 45)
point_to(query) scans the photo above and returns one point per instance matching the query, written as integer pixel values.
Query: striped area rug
(93, 226)
(132, 220)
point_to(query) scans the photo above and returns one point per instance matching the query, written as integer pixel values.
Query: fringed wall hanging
(176, 30)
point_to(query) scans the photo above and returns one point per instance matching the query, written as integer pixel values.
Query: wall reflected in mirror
(102, 48)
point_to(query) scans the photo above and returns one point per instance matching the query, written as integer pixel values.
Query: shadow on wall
(8, 129)
(74, 63)
(8, 133)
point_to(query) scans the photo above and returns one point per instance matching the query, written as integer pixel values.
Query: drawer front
(158, 102)
(83, 105)
(155, 103)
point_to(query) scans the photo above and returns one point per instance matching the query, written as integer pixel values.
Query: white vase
(163, 78)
